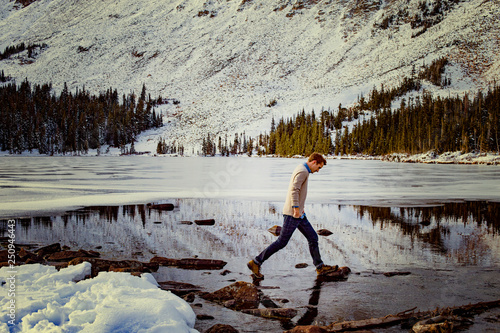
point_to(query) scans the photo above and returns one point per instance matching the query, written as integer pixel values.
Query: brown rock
(324, 232)
(341, 274)
(280, 313)
(195, 263)
(49, 249)
(29, 257)
(307, 329)
(221, 328)
(166, 206)
(179, 288)
(65, 255)
(205, 222)
(98, 265)
(389, 274)
(245, 296)
(4, 256)
(301, 265)
(275, 230)
(162, 261)
(204, 317)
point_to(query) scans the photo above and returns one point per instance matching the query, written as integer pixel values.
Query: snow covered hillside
(227, 60)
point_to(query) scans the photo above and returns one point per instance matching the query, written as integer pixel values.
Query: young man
(295, 218)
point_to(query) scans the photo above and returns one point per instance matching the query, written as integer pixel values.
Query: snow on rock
(48, 300)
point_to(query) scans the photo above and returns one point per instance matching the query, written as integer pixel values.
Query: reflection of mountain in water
(363, 236)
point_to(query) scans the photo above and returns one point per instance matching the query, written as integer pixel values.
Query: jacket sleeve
(297, 183)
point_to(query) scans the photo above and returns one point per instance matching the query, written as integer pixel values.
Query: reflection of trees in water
(478, 212)
(431, 225)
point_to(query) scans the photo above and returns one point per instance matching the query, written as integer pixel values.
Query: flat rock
(195, 263)
(205, 222)
(190, 263)
(179, 288)
(162, 261)
(324, 232)
(270, 313)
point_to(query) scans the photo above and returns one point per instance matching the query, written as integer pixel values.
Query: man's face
(315, 167)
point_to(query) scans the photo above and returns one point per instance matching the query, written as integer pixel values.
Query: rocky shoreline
(244, 297)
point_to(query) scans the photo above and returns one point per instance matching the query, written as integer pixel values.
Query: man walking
(295, 218)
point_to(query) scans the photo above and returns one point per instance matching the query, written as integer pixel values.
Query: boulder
(49, 249)
(237, 296)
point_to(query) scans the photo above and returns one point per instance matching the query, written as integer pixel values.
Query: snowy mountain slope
(226, 60)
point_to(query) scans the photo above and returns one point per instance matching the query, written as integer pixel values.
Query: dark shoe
(325, 269)
(252, 265)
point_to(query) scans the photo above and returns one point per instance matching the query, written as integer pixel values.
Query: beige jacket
(297, 190)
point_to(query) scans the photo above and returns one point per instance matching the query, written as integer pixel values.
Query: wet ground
(452, 251)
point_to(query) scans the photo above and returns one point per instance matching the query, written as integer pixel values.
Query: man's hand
(296, 212)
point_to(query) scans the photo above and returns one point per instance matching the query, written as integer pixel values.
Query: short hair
(318, 158)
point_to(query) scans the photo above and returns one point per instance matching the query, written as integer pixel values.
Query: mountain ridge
(226, 61)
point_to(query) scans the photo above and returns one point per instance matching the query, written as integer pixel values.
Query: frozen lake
(35, 184)
(439, 222)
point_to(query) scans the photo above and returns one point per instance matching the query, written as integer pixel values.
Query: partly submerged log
(407, 316)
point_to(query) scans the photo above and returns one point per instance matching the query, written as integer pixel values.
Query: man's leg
(289, 226)
(312, 238)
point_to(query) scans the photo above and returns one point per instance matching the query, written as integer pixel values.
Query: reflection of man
(295, 218)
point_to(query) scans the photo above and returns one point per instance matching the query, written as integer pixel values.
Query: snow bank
(47, 300)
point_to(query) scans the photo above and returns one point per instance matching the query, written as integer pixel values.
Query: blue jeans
(289, 225)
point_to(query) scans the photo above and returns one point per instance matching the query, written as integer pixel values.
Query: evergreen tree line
(428, 123)
(35, 118)
(239, 144)
(11, 50)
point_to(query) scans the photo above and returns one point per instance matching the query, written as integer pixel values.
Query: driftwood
(410, 315)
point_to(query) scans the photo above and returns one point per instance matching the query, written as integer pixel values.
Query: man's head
(315, 162)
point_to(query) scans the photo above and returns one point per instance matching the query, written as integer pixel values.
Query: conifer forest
(468, 123)
(33, 118)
